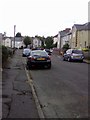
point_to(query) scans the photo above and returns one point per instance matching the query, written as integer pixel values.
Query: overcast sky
(41, 17)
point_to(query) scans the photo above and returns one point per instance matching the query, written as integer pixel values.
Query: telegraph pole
(14, 36)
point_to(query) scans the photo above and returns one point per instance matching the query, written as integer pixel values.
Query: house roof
(64, 32)
(18, 39)
(85, 26)
(55, 36)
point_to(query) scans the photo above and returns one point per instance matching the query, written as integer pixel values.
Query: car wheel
(69, 59)
(49, 66)
(81, 61)
(63, 59)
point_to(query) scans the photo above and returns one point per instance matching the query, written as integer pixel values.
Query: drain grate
(4, 96)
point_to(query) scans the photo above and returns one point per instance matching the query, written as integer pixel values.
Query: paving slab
(22, 107)
(21, 86)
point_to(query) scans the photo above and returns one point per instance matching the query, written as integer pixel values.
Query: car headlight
(82, 57)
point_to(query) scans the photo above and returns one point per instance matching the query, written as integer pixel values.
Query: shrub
(5, 54)
(85, 49)
(65, 47)
(10, 52)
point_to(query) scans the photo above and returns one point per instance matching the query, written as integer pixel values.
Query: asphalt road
(62, 90)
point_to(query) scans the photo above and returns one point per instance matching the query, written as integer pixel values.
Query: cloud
(41, 16)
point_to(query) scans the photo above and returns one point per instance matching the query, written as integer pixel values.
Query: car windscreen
(77, 51)
(26, 51)
(47, 50)
(39, 53)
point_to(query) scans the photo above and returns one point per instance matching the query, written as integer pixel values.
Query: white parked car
(26, 52)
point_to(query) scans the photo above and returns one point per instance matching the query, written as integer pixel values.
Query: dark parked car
(73, 55)
(26, 52)
(38, 58)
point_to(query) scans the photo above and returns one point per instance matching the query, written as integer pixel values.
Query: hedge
(6, 53)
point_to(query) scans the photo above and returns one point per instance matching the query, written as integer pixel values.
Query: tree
(18, 34)
(65, 47)
(49, 42)
(27, 41)
(54, 45)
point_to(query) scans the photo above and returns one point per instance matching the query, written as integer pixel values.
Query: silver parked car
(73, 55)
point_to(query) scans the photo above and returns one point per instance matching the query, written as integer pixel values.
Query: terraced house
(63, 37)
(80, 36)
(36, 42)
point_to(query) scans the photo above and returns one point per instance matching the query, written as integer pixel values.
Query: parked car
(48, 51)
(38, 58)
(26, 52)
(73, 55)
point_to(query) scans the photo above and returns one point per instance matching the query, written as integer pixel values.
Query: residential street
(45, 59)
(62, 91)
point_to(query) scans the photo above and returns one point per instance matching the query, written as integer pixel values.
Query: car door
(67, 55)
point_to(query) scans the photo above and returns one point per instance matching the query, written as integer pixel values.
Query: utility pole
(4, 37)
(14, 36)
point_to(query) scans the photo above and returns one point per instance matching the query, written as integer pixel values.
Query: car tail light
(30, 58)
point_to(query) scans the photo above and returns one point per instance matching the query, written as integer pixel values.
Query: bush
(10, 52)
(65, 47)
(85, 49)
(5, 54)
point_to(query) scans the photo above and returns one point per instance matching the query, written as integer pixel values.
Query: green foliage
(65, 47)
(42, 39)
(55, 45)
(85, 49)
(10, 52)
(49, 42)
(18, 34)
(27, 41)
(5, 54)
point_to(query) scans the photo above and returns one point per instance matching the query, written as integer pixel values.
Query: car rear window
(26, 50)
(77, 51)
(39, 53)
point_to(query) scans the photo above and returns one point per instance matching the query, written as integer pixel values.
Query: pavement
(17, 96)
(86, 61)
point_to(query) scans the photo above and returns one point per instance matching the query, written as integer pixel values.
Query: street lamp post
(14, 35)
